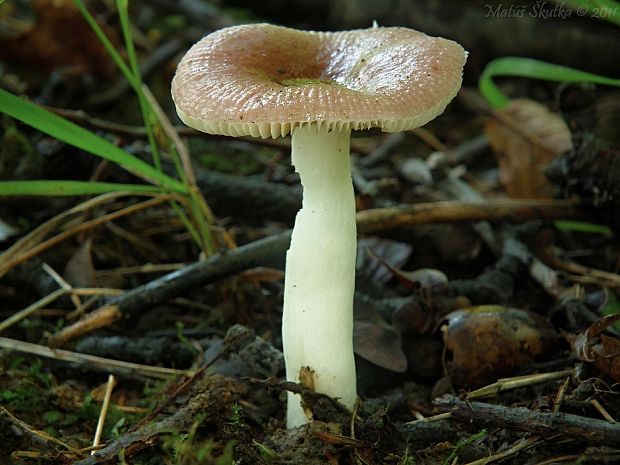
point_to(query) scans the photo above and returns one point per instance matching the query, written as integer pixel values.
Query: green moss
(18, 158)
(238, 158)
(306, 81)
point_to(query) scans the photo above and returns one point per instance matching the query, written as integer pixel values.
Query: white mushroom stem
(317, 327)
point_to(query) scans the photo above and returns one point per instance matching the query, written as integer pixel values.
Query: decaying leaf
(488, 342)
(599, 349)
(80, 270)
(423, 278)
(526, 137)
(376, 257)
(375, 340)
(58, 36)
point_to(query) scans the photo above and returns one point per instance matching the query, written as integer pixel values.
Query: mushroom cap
(263, 80)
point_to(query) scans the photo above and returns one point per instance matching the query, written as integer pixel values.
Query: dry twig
(524, 419)
(115, 366)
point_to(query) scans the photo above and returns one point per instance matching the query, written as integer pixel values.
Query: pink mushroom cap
(263, 80)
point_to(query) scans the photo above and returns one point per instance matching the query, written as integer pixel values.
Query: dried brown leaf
(377, 341)
(599, 349)
(526, 136)
(80, 270)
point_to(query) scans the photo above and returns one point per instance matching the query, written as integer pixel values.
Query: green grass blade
(79, 137)
(534, 69)
(145, 107)
(611, 307)
(582, 226)
(69, 188)
(107, 44)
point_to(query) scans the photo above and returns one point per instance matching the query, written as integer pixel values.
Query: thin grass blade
(79, 137)
(533, 69)
(70, 188)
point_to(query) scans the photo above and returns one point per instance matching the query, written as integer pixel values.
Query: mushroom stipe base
(317, 329)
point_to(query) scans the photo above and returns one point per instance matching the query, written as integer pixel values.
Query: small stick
(603, 411)
(36, 249)
(40, 232)
(559, 398)
(173, 135)
(441, 416)
(429, 138)
(506, 384)
(460, 154)
(525, 419)
(261, 252)
(386, 146)
(518, 447)
(592, 275)
(562, 458)
(30, 309)
(104, 411)
(26, 428)
(91, 360)
(62, 283)
(42, 302)
(174, 284)
(97, 291)
(381, 219)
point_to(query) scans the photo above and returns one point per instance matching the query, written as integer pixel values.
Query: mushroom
(265, 81)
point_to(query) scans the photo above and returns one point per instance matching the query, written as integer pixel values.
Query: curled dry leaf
(525, 137)
(80, 270)
(375, 340)
(489, 342)
(599, 349)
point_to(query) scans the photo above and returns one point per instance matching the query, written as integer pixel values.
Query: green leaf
(68, 188)
(69, 419)
(582, 226)
(534, 69)
(612, 306)
(79, 137)
(16, 362)
(266, 452)
(464, 442)
(7, 396)
(227, 454)
(52, 416)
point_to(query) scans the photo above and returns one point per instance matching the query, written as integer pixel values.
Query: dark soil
(485, 330)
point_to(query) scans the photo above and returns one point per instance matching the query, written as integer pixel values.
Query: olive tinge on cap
(263, 80)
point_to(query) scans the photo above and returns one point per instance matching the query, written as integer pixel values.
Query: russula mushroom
(269, 81)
